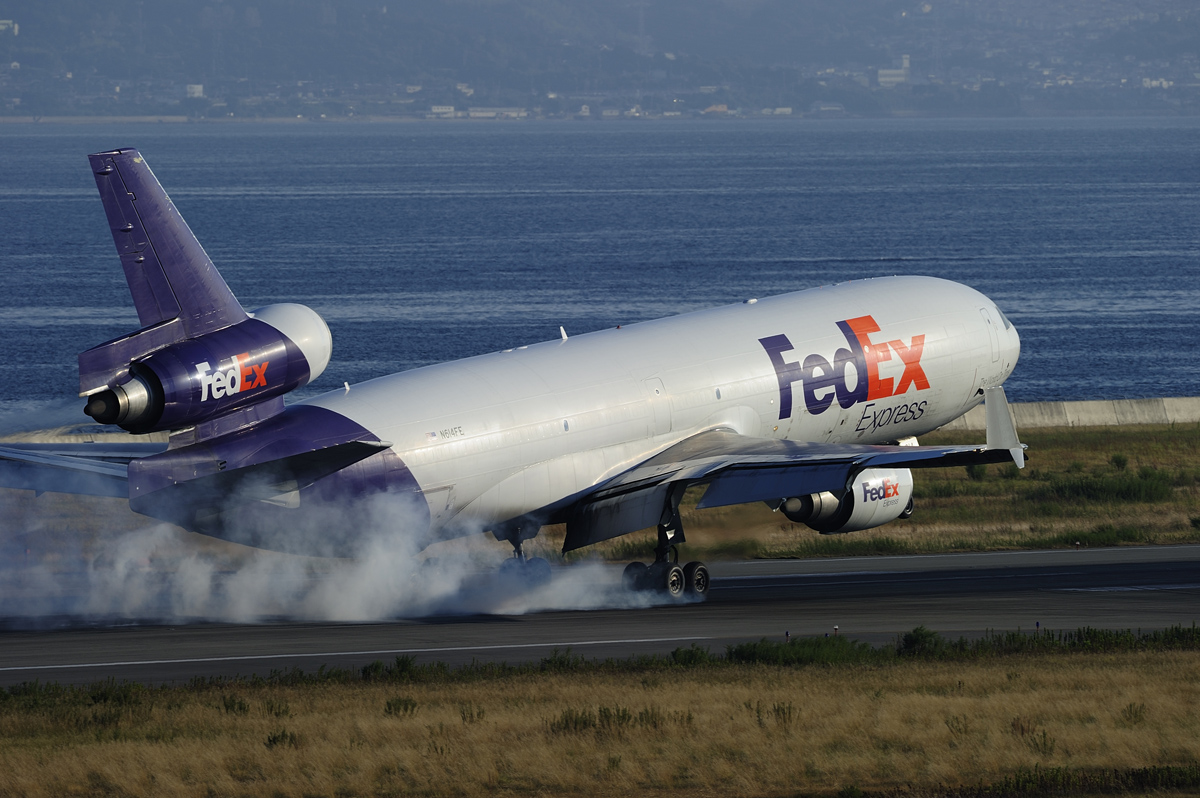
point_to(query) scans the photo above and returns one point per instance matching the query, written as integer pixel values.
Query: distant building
(585, 110)
(195, 91)
(446, 111)
(720, 108)
(497, 113)
(8, 24)
(891, 77)
(826, 109)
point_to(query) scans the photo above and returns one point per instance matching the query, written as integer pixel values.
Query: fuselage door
(660, 405)
(441, 505)
(993, 333)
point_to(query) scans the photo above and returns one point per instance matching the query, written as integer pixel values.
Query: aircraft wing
(739, 470)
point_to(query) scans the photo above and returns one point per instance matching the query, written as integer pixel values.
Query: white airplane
(808, 401)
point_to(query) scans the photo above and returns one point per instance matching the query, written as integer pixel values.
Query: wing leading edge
(740, 470)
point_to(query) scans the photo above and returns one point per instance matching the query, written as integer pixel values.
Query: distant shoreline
(166, 119)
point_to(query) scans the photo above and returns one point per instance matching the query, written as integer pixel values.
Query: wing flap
(277, 481)
(606, 518)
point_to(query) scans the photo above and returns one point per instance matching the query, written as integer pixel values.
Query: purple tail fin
(169, 274)
(177, 291)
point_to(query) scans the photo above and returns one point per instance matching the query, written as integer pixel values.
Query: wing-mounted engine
(875, 497)
(278, 349)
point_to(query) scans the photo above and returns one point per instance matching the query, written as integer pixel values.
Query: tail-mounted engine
(278, 349)
(876, 496)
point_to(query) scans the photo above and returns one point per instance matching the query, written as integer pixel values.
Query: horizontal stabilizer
(42, 472)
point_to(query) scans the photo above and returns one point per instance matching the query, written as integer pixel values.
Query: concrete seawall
(1102, 413)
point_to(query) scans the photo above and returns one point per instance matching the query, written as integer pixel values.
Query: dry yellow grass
(746, 730)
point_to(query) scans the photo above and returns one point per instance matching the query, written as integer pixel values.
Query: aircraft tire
(695, 579)
(538, 571)
(634, 576)
(665, 577)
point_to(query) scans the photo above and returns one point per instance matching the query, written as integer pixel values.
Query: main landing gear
(530, 571)
(665, 575)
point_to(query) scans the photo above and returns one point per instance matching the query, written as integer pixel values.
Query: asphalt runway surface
(871, 599)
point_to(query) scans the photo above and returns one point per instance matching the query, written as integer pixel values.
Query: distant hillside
(402, 39)
(755, 52)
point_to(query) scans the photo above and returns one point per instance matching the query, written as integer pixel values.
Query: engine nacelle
(877, 496)
(278, 349)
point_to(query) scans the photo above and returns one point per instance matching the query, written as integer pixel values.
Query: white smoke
(21, 416)
(162, 574)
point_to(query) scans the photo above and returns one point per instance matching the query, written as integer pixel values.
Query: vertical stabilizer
(168, 272)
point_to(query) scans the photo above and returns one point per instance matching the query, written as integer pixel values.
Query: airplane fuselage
(497, 436)
(783, 400)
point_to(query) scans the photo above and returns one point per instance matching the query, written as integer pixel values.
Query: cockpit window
(1007, 323)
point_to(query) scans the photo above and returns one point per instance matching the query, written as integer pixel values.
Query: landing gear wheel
(695, 579)
(533, 572)
(908, 510)
(666, 577)
(634, 575)
(674, 581)
(537, 571)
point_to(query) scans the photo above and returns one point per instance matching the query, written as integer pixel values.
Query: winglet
(1001, 430)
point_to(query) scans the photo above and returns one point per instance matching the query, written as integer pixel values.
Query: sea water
(430, 241)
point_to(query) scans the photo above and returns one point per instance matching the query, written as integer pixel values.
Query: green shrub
(401, 705)
(282, 737)
(921, 642)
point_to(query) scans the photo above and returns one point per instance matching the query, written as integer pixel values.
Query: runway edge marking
(249, 657)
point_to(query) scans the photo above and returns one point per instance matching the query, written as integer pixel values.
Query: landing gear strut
(665, 574)
(533, 571)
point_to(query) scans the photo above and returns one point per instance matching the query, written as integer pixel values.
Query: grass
(1011, 714)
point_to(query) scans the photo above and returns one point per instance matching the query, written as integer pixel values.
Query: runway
(871, 599)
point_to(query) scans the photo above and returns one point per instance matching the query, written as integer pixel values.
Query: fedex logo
(890, 489)
(823, 381)
(240, 375)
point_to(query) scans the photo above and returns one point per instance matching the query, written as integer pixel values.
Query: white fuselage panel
(496, 436)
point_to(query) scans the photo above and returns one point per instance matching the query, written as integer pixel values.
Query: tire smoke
(161, 574)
